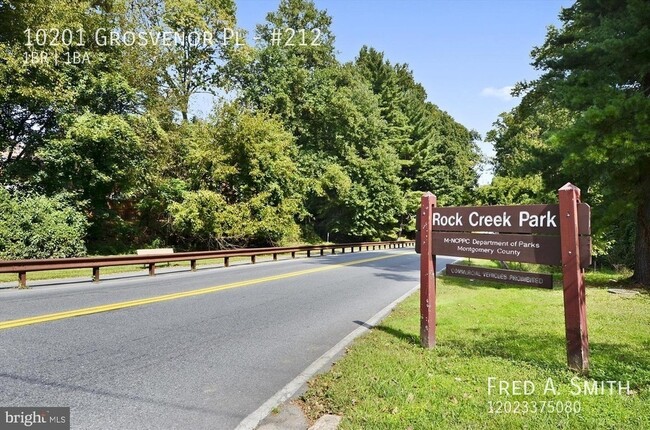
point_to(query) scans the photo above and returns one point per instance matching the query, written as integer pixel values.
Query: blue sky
(464, 52)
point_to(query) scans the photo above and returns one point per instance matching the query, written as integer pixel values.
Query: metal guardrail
(21, 267)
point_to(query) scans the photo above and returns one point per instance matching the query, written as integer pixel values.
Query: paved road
(202, 359)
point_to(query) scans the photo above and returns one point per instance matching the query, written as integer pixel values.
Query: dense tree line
(586, 120)
(104, 155)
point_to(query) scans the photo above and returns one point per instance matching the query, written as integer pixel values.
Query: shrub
(35, 226)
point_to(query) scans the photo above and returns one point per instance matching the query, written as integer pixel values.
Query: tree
(100, 161)
(354, 171)
(520, 138)
(350, 169)
(39, 87)
(513, 190)
(244, 186)
(275, 76)
(193, 60)
(435, 153)
(596, 66)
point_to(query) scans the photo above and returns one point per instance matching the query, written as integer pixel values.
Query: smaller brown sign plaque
(541, 280)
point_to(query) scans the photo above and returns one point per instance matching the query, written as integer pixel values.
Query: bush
(35, 226)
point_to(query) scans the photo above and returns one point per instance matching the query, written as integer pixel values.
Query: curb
(254, 419)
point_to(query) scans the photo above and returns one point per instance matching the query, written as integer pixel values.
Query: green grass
(511, 333)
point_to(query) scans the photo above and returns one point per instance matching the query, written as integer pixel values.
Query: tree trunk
(642, 251)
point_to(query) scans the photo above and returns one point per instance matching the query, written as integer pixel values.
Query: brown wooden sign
(523, 248)
(540, 219)
(543, 234)
(541, 280)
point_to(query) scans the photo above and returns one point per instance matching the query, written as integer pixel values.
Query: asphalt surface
(198, 362)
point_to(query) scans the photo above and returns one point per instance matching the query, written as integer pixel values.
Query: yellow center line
(140, 302)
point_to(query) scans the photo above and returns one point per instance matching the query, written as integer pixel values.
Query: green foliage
(304, 147)
(514, 191)
(33, 226)
(318, 49)
(592, 67)
(585, 121)
(204, 219)
(36, 94)
(520, 138)
(343, 141)
(435, 152)
(193, 63)
(245, 184)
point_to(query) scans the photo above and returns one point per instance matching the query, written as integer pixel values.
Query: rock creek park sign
(545, 234)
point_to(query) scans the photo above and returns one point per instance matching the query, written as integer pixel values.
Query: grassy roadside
(509, 333)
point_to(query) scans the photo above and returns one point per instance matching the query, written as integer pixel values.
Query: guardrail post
(427, 274)
(193, 265)
(253, 259)
(352, 249)
(343, 250)
(322, 251)
(293, 254)
(22, 279)
(95, 274)
(308, 253)
(152, 269)
(226, 261)
(333, 251)
(575, 309)
(275, 256)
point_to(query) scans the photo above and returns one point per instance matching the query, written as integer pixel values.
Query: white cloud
(502, 93)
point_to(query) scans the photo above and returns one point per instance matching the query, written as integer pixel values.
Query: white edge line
(253, 420)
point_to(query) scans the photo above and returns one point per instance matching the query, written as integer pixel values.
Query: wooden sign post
(427, 275)
(575, 308)
(542, 234)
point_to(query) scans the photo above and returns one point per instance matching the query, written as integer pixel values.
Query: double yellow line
(156, 299)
